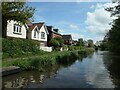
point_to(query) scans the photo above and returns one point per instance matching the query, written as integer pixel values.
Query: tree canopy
(17, 11)
(113, 36)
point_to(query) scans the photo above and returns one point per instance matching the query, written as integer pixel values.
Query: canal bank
(47, 60)
(93, 71)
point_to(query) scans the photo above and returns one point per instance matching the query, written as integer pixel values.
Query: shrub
(60, 40)
(14, 47)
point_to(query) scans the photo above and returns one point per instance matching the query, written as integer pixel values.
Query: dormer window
(42, 35)
(17, 29)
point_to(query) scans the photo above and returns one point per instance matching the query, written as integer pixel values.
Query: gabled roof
(31, 27)
(40, 24)
(67, 37)
(49, 28)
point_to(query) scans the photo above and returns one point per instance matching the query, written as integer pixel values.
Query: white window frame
(42, 35)
(17, 29)
(35, 34)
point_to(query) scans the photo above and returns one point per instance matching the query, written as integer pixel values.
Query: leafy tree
(104, 45)
(53, 42)
(17, 11)
(80, 42)
(90, 43)
(60, 40)
(113, 36)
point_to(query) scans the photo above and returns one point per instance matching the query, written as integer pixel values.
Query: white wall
(48, 49)
(37, 34)
(10, 30)
(43, 30)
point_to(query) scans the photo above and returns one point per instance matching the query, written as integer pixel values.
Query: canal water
(98, 70)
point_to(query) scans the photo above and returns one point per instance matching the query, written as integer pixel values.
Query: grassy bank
(47, 60)
(15, 48)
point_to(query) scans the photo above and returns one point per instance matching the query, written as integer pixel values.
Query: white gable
(43, 30)
(15, 29)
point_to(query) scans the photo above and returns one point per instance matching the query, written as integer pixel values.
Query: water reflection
(98, 70)
(112, 63)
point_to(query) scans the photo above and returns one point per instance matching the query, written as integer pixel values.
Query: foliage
(14, 47)
(49, 59)
(60, 40)
(113, 36)
(80, 42)
(13, 10)
(90, 43)
(104, 45)
(53, 42)
(65, 47)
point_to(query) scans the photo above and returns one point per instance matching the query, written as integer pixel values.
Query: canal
(98, 70)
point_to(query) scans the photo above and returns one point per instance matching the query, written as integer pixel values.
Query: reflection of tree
(27, 78)
(112, 63)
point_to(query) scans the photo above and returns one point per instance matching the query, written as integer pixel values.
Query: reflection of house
(38, 31)
(16, 29)
(52, 33)
(67, 39)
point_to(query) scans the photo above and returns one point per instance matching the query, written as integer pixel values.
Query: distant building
(67, 39)
(52, 33)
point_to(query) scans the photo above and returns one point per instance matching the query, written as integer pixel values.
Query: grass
(47, 60)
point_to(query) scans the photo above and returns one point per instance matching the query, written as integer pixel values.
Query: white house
(38, 31)
(16, 29)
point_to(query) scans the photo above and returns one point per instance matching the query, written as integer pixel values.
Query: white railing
(48, 49)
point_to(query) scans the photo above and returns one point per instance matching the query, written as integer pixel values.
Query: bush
(14, 47)
(60, 40)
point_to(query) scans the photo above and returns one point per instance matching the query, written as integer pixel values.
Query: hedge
(14, 47)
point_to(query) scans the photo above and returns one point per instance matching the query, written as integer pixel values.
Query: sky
(87, 20)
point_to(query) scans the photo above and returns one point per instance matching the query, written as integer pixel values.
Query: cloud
(98, 21)
(62, 31)
(75, 27)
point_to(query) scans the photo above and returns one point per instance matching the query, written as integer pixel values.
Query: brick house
(52, 33)
(67, 39)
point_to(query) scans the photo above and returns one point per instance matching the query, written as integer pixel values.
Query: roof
(49, 28)
(39, 25)
(31, 27)
(67, 37)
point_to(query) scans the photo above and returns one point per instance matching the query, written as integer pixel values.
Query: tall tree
(80, 42)
(17, 11)
(113, 35)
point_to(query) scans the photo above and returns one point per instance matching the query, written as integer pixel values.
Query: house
(53, 33)
(38, 31)
(16, 29)
(74, 42)
(67, 39)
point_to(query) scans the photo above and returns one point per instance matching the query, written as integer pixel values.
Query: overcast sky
(87, 20)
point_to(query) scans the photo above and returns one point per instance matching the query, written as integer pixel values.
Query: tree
(80, 42)
(53, 42)
(16, 11)
(60, 40)
(90, 43)
(113, 36)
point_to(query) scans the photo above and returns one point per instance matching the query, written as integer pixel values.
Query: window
(42, 35)
(34, 33)
(17, 29)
